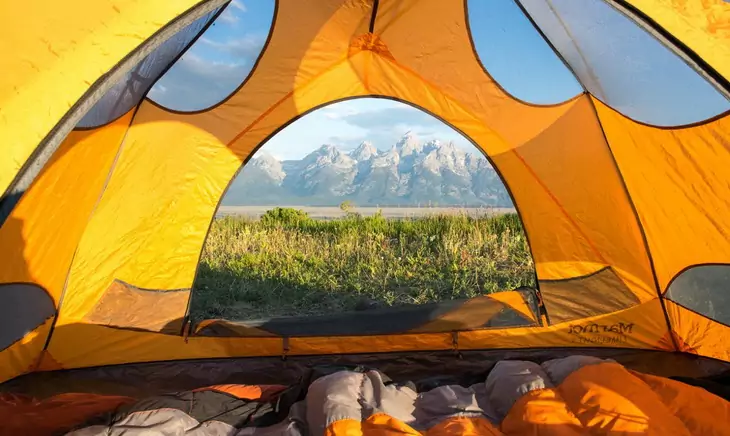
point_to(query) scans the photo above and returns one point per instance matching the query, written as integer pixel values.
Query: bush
(284, 217)
(346, 206)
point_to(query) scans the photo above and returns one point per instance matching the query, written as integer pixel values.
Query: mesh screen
(220, 61)
(704, 289)
(516, 55)
(625, 66)
(132, 88)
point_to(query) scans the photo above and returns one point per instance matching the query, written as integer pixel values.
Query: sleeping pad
(576, 395)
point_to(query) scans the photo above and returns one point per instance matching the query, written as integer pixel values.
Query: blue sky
(633, 70)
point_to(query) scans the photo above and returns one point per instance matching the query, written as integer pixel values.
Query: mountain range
(410, 173)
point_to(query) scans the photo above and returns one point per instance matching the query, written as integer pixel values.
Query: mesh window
(219, 61)
(624, 65)
(704, 289)
(25, 308)
(516, 55)
(132, 88)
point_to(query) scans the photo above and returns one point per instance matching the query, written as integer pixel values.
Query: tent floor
(144, 379)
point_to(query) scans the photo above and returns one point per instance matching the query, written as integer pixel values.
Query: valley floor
(333, 212)
(288, 263)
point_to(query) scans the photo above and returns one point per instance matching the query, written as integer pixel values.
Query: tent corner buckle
(285, 348)
(455, 344)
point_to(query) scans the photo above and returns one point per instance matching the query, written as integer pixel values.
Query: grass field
(287, 263)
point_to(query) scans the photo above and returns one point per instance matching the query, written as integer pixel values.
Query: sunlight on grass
(289, 264)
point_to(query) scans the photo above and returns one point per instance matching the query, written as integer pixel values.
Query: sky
(630, 70)
(347, 124)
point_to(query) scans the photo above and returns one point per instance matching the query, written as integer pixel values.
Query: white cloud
(238, 4)
(352, 109)
(158, 89)
(230, 14)
(390, 118)
(228, 17)
(205, 68)
(346, 138)
(337, 113)
(248, 46)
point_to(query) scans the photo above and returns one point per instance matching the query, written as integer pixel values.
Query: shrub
(284, 217)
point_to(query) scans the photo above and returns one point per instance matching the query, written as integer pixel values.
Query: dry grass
(289, 264)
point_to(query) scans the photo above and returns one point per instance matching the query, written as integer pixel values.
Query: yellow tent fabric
(615, 210)
(54, 44)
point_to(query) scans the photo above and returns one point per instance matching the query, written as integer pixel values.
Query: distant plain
(334, 212)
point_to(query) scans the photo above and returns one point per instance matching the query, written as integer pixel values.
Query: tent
(108, 195)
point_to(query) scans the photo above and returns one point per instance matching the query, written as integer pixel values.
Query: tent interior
(111, 175)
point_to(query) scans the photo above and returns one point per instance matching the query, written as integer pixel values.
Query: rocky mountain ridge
(409, 173)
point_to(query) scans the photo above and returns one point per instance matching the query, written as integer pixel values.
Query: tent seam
(373, 16)
(511, 149)
(639, 224)
(395, 18)
(445, 348)
(550, 44)
(560, 206)
(287, 96)
(698, 314)
(112, 168)
(574, 42)
(710, 120)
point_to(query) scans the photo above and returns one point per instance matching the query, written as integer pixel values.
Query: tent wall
(78, 345)
(151, 221)
(41, 235)
(573, 232)
(678, 181)
(697, 334)
(175, 167)
(54, 44)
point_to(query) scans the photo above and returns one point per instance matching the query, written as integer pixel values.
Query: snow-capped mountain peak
(408, 172)
(364, 151)
(408, 145)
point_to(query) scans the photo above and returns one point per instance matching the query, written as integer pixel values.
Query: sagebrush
(289, 264)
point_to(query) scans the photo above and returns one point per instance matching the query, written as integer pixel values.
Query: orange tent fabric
(620, 214)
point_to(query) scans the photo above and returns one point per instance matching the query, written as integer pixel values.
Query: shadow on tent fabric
(254, 293)
(225, 314)
(27, 310)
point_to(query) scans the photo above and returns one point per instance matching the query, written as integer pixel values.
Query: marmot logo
(593, 328)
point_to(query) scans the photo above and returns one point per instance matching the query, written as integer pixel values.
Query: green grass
(288, 264)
